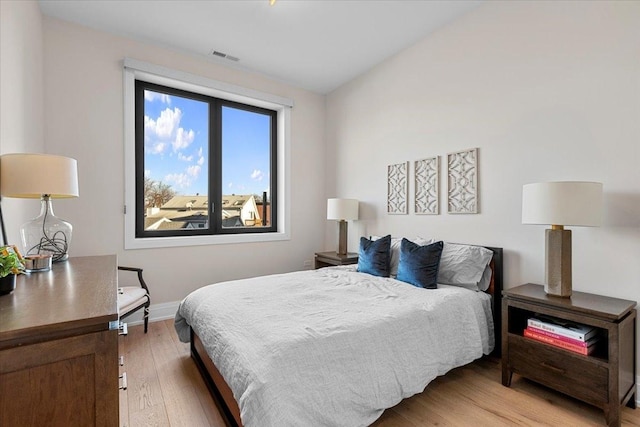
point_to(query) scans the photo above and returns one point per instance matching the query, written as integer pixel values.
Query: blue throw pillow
(374, 256)
(419, 264)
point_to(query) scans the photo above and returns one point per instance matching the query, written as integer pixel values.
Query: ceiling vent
(224, 55)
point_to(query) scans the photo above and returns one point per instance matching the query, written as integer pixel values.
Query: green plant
(10, 261)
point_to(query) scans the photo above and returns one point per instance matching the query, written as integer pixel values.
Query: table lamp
(342, 210)
(44, 177)
(561, 204)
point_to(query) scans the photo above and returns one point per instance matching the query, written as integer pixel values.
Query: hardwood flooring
(165, 389)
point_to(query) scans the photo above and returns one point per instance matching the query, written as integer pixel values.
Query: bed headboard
(495, 289)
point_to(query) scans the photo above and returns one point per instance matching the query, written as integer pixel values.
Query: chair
(133, 298)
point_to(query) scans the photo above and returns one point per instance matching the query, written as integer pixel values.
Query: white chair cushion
(131, 297)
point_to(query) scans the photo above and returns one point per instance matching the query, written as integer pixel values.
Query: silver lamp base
(37, 263)
(558, 262)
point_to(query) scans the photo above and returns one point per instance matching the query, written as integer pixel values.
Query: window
(202, 165)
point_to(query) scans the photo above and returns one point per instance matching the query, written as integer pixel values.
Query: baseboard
(164, 311)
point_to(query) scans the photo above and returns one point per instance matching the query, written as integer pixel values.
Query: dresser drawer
(573, 374)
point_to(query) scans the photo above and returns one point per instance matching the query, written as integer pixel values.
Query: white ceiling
(314, 44)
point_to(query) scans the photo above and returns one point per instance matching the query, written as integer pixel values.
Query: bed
(332, 346)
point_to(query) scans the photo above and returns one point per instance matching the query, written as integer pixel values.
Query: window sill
(180, 241)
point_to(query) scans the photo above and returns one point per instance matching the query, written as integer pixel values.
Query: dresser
(605, 378)
(59, 348)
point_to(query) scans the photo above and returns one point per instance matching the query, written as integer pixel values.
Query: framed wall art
(397, 188)
(462, 182)
(427, 184)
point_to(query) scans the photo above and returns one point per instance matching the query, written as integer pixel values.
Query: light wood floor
(165, 389)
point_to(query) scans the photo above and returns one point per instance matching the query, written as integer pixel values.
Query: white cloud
(163, 127)
(183, 139)
(149, 129)
(157, 148)
(152, 96)
(168, 121)
(178, 179)
(257, 175)
(201, 160)
(147, 173)
(194, 171)
(165, 130)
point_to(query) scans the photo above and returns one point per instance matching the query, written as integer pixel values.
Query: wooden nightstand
(328, 259)
(606, 378)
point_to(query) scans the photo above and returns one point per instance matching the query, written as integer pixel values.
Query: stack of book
(561, 333)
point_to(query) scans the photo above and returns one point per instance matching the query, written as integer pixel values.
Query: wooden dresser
(58, 355)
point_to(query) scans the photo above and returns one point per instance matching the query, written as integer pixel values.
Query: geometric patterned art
(427, 184)
(397, 188)
(462, 182)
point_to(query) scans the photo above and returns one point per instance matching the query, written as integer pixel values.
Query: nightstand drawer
(559, 369)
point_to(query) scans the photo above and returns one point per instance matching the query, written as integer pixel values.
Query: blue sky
(177, 152)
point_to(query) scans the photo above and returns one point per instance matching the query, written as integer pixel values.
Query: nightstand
(328, 259)
(606, 378)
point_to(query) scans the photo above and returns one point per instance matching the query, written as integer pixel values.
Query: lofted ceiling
(313, 44)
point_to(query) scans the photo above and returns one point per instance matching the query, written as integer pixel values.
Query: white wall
(83, 104)
(546, 90)
(21, 86)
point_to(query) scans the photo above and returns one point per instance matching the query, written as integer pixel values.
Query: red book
(561, 337)
(559, 343)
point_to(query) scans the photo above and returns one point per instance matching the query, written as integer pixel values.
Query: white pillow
(394, 255)
(485, 282)
(422, 241)
(465, 265)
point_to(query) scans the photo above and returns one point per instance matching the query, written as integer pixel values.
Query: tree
(157, 193)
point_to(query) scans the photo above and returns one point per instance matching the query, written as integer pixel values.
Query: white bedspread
(332, 347)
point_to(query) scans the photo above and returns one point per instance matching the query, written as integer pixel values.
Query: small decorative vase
(7, 284)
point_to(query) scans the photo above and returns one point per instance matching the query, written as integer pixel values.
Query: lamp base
(342, 237)
(37, 263)
(46, 234)
(558, 262)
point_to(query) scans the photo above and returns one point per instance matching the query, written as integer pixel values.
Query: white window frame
(135, 69)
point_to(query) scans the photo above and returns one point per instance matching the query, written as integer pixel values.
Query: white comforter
(332, 347)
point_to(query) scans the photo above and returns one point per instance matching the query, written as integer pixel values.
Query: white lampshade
(562, 203)
(342, 209)
(30, 176)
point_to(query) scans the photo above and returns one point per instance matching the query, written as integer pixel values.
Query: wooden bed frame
(223, 396)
